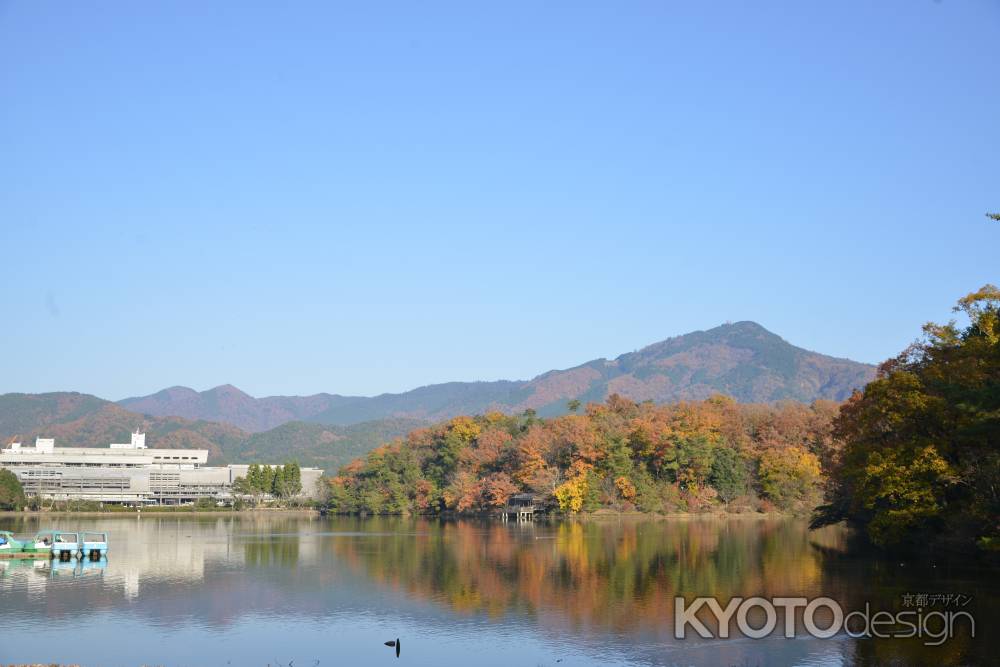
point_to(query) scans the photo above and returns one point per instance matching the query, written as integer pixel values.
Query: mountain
(320, 445)
(743, 360)
(228, 404)
(81, 420)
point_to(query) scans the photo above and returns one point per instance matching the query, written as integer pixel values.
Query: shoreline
(599, 515)
(164, 512)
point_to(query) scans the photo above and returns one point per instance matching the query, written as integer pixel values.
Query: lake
(310, 591)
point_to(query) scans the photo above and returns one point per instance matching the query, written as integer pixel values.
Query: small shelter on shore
(520, 506)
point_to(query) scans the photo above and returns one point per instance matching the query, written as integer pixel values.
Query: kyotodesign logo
(821, 617)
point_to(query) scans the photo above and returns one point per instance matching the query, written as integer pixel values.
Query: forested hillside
(318, 445)
(619, 454)
(81, 420)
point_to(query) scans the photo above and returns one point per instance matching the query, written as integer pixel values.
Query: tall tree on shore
(253, 478)
(921, 460)
(293, 479)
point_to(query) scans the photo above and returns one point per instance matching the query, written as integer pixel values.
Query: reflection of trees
(271, 540)
(621, 575)
(861, 578)
(277, 550)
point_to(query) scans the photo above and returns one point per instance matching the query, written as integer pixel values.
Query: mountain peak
(741, 359)
(177, 389)
(744, 325)
(227, 390)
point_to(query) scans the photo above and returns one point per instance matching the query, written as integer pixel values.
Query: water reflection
(597, 591)
(620, 576)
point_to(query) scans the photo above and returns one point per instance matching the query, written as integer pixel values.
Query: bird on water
(394, 643)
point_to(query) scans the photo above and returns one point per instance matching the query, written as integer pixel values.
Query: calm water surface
(273, 590)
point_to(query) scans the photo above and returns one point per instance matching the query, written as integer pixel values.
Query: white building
(127, 473)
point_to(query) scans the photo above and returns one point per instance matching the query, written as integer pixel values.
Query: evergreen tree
(728, 475)
(242, 487)
(293, 479)
(254, 478)
(278, 482)
(267, 483)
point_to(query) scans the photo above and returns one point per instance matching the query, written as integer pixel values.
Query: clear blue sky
(368, 197)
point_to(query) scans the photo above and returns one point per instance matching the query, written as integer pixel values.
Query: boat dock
(57, 544)
(520, 506)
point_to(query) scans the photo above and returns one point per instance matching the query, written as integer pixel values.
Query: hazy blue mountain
(228, 404)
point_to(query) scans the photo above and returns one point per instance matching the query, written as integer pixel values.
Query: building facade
(128, 473)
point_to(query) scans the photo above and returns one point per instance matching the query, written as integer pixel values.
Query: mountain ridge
(742, 359)
(83, 420)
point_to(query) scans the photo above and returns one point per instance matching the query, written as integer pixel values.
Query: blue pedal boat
(94, 545)
(59, 543)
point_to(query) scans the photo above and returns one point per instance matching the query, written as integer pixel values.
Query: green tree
(292, 478)
(573, 405)
(921, 460)
(11, 492)
(253, 478)
(279, 487)
(693, 462)
(242, 487)
(728, 474)
(267, 476)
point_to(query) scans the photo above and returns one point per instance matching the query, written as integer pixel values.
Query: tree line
(277, 481)
(618, 455)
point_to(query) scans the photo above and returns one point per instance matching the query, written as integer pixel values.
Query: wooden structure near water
(520, 506)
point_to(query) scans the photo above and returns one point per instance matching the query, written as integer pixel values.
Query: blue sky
(369, 197)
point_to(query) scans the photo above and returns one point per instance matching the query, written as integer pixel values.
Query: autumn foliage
(921, 461)
(618, 455)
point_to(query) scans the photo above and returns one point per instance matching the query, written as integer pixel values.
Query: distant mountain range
(81, 420)
(743, 360)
